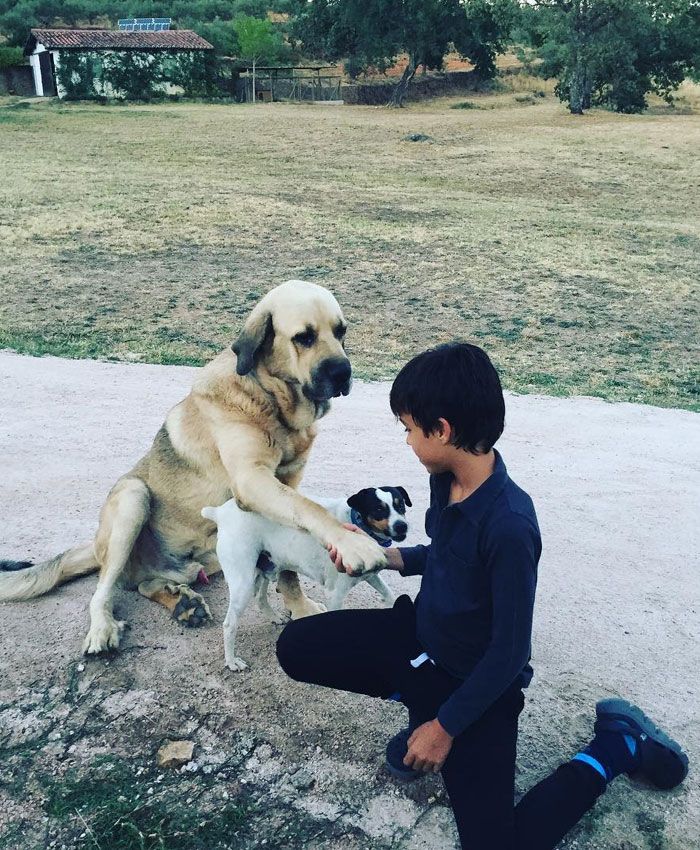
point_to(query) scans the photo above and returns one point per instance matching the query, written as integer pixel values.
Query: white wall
(34, 62)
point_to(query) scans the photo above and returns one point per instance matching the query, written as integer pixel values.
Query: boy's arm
(512, 553)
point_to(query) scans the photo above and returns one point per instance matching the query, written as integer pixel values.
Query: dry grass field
(568, 247)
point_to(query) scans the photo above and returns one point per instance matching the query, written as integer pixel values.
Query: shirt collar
(476, 505)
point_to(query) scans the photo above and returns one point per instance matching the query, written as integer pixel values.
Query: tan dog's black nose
(338, 372)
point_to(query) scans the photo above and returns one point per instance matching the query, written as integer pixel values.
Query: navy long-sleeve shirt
(474, 608)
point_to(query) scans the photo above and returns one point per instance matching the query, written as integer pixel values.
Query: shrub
(11, 56)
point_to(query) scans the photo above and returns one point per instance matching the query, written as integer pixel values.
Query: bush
(10, 56)
(135, 75)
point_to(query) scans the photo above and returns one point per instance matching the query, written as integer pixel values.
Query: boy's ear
(444, 430)
(405, 495)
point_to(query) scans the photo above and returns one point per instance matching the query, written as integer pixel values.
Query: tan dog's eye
(339, 331)
(305, 339)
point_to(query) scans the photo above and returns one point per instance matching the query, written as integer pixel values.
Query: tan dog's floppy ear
(251, 340)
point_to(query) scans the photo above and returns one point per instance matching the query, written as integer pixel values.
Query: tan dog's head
(296, 333)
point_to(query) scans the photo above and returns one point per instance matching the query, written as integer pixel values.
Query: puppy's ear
(405, 497)
(257, 329)
(358, 500)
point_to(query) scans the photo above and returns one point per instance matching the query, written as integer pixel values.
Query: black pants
(368, 652)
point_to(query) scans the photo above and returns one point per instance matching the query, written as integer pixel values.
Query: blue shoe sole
(405, 775)
(395, 752)
(618, 715)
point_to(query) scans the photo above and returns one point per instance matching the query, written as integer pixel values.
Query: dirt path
(617, 491)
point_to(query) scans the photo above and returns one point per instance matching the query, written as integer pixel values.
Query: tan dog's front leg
(297, 602)
(186, 605)
(255, 488)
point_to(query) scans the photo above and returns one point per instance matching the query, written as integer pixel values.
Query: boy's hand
(428, 747)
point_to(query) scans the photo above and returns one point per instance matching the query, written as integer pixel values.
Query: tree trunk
(587, 93)
(253, 80)
(401, 89)
(579, 85)
(579, 94)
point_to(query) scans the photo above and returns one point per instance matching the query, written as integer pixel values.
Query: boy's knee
(290, 651)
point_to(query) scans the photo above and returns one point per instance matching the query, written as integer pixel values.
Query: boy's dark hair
(456, 382)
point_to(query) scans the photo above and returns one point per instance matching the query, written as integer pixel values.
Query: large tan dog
(245, 430)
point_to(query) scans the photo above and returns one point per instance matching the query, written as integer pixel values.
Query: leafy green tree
(258, 41)
(208, 17)
(376, 32)
(10, 56)
(485, 33)
(614, 52)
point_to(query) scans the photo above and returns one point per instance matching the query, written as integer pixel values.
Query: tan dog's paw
(280, 618)
(191, 609)
(103, 636)
(308, 609)
(359, 552)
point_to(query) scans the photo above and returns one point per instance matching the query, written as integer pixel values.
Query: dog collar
(356, 519)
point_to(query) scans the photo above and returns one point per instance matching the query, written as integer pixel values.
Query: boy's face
(432, 451)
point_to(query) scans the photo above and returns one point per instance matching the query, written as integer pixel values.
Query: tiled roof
(121, 39)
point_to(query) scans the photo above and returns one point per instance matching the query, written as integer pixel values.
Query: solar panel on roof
(144, 24)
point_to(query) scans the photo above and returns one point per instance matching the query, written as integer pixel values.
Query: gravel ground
(617, 490)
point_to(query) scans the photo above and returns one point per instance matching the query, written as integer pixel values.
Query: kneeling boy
(458, 657)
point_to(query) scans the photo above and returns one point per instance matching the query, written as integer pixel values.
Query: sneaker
(661, 760)
(396, 751)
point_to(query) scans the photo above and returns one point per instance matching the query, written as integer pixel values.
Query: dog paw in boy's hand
(355, 552)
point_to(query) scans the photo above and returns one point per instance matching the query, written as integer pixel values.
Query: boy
(459, 657)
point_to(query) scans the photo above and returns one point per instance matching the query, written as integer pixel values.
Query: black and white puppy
(252, 549)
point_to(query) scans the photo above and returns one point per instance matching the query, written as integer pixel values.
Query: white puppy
(243, 536)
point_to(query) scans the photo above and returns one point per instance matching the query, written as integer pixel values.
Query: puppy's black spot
(369, 505)
(400, 498)
(13, 566)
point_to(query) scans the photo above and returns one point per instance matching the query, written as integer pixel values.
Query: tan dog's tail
(24, 580)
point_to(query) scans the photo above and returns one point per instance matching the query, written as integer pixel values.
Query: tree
(375, 32)
(211, 16)
(257, 41)
(485, 33)
(614, 52)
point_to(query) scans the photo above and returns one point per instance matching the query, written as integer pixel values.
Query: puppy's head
(296, 332)
(383, 511)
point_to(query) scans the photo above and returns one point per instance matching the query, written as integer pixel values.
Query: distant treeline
(608, 53)
(212, 19)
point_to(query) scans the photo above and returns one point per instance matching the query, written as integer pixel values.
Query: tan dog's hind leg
(123, 516)
(186, 605)
(297, 602)
(261, 587)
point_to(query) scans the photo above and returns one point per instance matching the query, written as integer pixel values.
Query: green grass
(568, 247)
(109, 808)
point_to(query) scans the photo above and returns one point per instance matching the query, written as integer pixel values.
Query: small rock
(175, 753)
(302, 780)
(418, 137)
